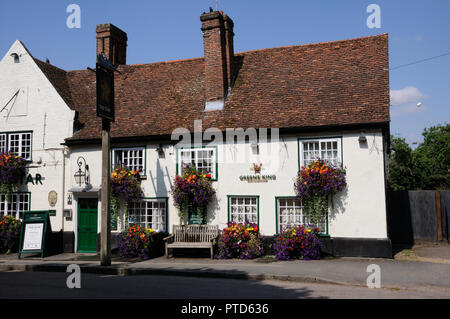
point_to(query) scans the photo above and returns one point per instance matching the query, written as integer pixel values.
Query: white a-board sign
(33, 236)
(35, 229)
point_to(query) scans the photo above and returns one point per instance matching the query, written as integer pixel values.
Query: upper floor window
(18, 143)
(133, 158)
(328, 149)
(203, 159)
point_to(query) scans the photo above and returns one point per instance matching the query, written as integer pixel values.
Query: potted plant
(192, 192)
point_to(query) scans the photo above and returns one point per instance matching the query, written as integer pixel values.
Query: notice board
(35, 230)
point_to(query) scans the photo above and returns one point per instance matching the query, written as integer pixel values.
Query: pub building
(250, 119)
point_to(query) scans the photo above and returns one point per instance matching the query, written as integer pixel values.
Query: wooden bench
(192, 236)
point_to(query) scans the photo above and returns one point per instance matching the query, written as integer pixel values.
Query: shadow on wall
(338, 204)
(213, 207)
(159, 188)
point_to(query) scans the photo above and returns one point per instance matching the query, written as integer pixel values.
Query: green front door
(87, 225)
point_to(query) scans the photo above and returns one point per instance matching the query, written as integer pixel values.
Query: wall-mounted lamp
(362, 138)
(160, 149)
(81, 176)
(255, 147)
(16, 57)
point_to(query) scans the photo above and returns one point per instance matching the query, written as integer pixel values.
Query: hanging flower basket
(12, 171)
(192, 192)
(125, 188)
(315, 183)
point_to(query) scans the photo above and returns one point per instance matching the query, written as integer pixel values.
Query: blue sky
(170, 30)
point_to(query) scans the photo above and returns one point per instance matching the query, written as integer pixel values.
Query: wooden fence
(415, 216)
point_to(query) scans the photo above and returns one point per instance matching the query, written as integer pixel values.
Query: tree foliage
(426, 167)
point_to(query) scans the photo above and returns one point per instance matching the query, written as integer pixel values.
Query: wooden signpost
(35, 230)
(105, 110)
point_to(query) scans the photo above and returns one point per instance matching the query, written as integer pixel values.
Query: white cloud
(406, 95)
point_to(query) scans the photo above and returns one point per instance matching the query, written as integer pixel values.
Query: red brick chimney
(219, 56)
(112, 42)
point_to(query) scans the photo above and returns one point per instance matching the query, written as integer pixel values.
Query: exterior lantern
(81, 175)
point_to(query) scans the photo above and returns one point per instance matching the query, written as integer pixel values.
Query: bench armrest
(214, 240)
(169, 238)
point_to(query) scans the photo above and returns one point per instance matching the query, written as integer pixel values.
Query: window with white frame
(203, 159)
(3, 147)
(14, 205)
(149, 213)
(243, 208)
(328, 149)
(133, 158)
(18, 143)
(291, 212)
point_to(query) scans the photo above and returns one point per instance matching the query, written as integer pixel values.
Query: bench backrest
(195, 233)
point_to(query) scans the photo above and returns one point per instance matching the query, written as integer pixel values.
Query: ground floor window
(242, 208)
(149, 213)
(291, 212)
(14, 205)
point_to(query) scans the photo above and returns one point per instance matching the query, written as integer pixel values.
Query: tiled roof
(317, 85)
(58, 78)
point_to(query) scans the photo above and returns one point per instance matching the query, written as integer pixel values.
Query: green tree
(400, 165)
(431, 159)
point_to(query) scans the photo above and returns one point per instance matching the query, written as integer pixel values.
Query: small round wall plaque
(52, 198)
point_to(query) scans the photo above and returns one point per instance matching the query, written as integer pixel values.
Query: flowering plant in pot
(240, 240)
(125, 187)
(315, 183)
(9, 233)
(12, 171)
(298, 242)
(137, 241)
(192, 192)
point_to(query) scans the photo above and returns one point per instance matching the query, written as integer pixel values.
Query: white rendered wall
(38, 108)
(358, 212)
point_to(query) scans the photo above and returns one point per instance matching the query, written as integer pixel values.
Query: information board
(35, 229)
(33, 236)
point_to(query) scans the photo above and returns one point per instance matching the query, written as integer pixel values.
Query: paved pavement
(395, 273)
